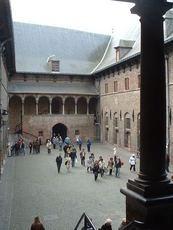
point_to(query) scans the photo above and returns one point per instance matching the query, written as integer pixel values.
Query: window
(106, 119)
(77, 132)
(115, 86)
(127, 123)
(40, 133)
(126, 83)
(106, 88)
(55, 66)
(116, 121)
(139, 81)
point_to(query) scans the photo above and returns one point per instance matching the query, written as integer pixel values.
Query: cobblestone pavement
(31, 186)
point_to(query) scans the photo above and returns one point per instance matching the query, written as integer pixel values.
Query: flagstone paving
(31, 186)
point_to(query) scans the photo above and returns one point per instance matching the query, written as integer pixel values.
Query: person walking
(82, 157)
(96, 169)
(37, 225)
(73, 156)
(60, 143)
(59, 162)
(118, 164)
(49, 146)
(80, 143)
(30, 147)
(110, 165)
(67, 163)
(132, 162)
(88, 145)
(54, 142)
(107, 225)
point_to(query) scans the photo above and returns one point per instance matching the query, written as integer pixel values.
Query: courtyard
(31, 186)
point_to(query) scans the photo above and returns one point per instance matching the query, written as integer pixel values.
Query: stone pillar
(88, 105)
(149, 198)
(50, 106)
(63, 102)
(23, 112)
(37, 106)
(76, 105)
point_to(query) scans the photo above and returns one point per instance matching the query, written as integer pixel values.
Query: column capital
(151, 7)
(50, 100)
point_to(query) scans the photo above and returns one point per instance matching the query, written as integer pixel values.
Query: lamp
(3, 116)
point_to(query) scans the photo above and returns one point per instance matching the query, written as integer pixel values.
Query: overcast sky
(99, 16)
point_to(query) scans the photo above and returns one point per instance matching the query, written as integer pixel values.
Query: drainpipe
(167, 106)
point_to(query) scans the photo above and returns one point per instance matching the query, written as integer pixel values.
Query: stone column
(63, 102)
(76, 105)
(50, 106)
(37, 106)
(23, 112)
(88, 105)
(152, 191)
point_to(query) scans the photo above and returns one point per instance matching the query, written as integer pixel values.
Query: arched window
(29, 106)
(15, 113)
(82, 106)
(57, 105)
(43, 105)
(115, 128)
(69, 105)
(93, 105)
(127, 132)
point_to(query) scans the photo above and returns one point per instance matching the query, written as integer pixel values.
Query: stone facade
(35, 113)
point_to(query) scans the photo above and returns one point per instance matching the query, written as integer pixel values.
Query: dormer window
(123, 48)
(55, 66)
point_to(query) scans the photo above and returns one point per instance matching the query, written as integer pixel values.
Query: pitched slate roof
(109, 59)
(78, 52)
(86, 88)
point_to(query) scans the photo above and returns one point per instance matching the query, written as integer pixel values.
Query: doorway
(59, 129)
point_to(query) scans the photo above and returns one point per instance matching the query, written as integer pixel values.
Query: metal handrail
(88, 225)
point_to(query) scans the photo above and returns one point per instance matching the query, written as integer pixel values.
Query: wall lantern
(3, 116)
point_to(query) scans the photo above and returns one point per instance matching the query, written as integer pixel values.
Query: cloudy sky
(99, 16)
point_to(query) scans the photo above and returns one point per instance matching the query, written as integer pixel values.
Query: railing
(134, 225)
(87, 224)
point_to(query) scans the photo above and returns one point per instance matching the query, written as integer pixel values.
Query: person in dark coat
(96, 170)
(88, 145)
(107, 225)
(73, 156)
(37, 225)
(30, 147)
(59, 162)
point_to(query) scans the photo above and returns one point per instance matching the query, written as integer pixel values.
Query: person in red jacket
(37, 225)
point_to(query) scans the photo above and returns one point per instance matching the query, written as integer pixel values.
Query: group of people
(54, 141)
(99, 166)
(18, 148)
(37, 225)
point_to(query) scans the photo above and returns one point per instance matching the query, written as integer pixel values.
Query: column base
(150, 205)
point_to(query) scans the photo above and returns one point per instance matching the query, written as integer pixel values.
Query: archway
(59, 129)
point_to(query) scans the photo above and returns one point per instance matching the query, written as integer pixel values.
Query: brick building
(7, 66)
(79, 83)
